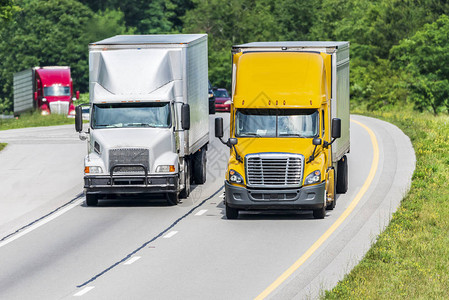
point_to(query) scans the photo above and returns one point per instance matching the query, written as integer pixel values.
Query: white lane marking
(132, 259)
(42, 222)
(83, 291)
(170, 234)
(201, 212)
(222, 195)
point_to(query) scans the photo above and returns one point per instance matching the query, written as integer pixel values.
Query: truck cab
(288, 136)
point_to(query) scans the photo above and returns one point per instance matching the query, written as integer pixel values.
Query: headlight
(235, 177)
(228, 102)
(93, 170)
(44, 99)
(313, 177)
(211, 95)
(165, 168)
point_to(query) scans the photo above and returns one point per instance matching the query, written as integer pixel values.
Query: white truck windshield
(156, 114)
(277, 123)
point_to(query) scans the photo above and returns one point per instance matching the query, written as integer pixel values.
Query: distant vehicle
(48, 89)
(211, 100)
(222, 100)
(86, 112)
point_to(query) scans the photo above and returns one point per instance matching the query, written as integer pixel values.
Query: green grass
(2, 145)
(410, 259)
(35, 120)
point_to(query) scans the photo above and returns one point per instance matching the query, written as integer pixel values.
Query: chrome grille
(59, 107)
(274, 170)
(129, 156)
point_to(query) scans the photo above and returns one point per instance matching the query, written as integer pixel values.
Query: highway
(52, 246)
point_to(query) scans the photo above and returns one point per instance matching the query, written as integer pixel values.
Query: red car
(222, 100)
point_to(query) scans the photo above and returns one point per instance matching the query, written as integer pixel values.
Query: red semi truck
(48, 89)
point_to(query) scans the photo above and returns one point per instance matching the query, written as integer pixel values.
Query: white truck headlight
(165, 169)
(93, 170)
(235, 177)
(313, 177)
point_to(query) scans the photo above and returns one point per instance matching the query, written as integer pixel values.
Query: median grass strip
(35, 120)
(410, 259)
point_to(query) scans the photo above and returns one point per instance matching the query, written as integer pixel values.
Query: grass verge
(410, 259)
(2, 145)
(35, 120)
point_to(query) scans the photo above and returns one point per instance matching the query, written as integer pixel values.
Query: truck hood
(160, 143)
(133, 137)
(269, 145)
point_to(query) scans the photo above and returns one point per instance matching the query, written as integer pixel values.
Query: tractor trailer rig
(289, 126)
(149, 120)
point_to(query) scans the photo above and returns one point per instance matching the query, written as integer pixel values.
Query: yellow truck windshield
(301, 123)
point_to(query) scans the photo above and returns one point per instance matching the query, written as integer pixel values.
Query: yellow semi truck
(289, 127)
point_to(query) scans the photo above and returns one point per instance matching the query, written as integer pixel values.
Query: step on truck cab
(149, 120)
(289, 126)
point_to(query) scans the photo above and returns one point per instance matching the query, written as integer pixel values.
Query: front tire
(186, 190)
(231, 213)
(172, 199)
(91, 200)
(319, 213)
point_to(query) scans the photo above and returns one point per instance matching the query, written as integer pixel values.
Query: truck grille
(274, 170)
(129, 156)
(59, 107)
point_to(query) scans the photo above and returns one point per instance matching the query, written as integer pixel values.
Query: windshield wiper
(291, 134)
(250, 134)
(136, 124)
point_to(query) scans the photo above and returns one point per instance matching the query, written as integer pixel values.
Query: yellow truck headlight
(313, 177)
(235, 177)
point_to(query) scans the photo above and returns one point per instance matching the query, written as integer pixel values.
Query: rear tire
(199, 166)
(91, 200)
(172, 199)
(342, 175)
(231, 213)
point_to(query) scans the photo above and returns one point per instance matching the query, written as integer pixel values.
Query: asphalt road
(54, 247)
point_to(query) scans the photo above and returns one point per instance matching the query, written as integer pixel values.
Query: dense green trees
(52, 32)
(398, 47)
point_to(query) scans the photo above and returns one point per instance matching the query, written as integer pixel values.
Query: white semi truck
(149, 120)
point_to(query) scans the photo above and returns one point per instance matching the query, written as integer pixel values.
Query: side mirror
(336, 128)
(185, 117)
(316, 141)
(77, 95)
(233, 141)
(78, 118)
(219, 127)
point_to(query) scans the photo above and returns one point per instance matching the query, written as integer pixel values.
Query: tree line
(398, 47)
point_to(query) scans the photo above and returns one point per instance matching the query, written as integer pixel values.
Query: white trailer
(23, 83)
(149, 126)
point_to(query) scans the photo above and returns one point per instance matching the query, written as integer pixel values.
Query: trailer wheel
(231, 212)
(172, 198)
(199, 166)
(342, 175)
(91, 200)
(319, 213)
(187, 170)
